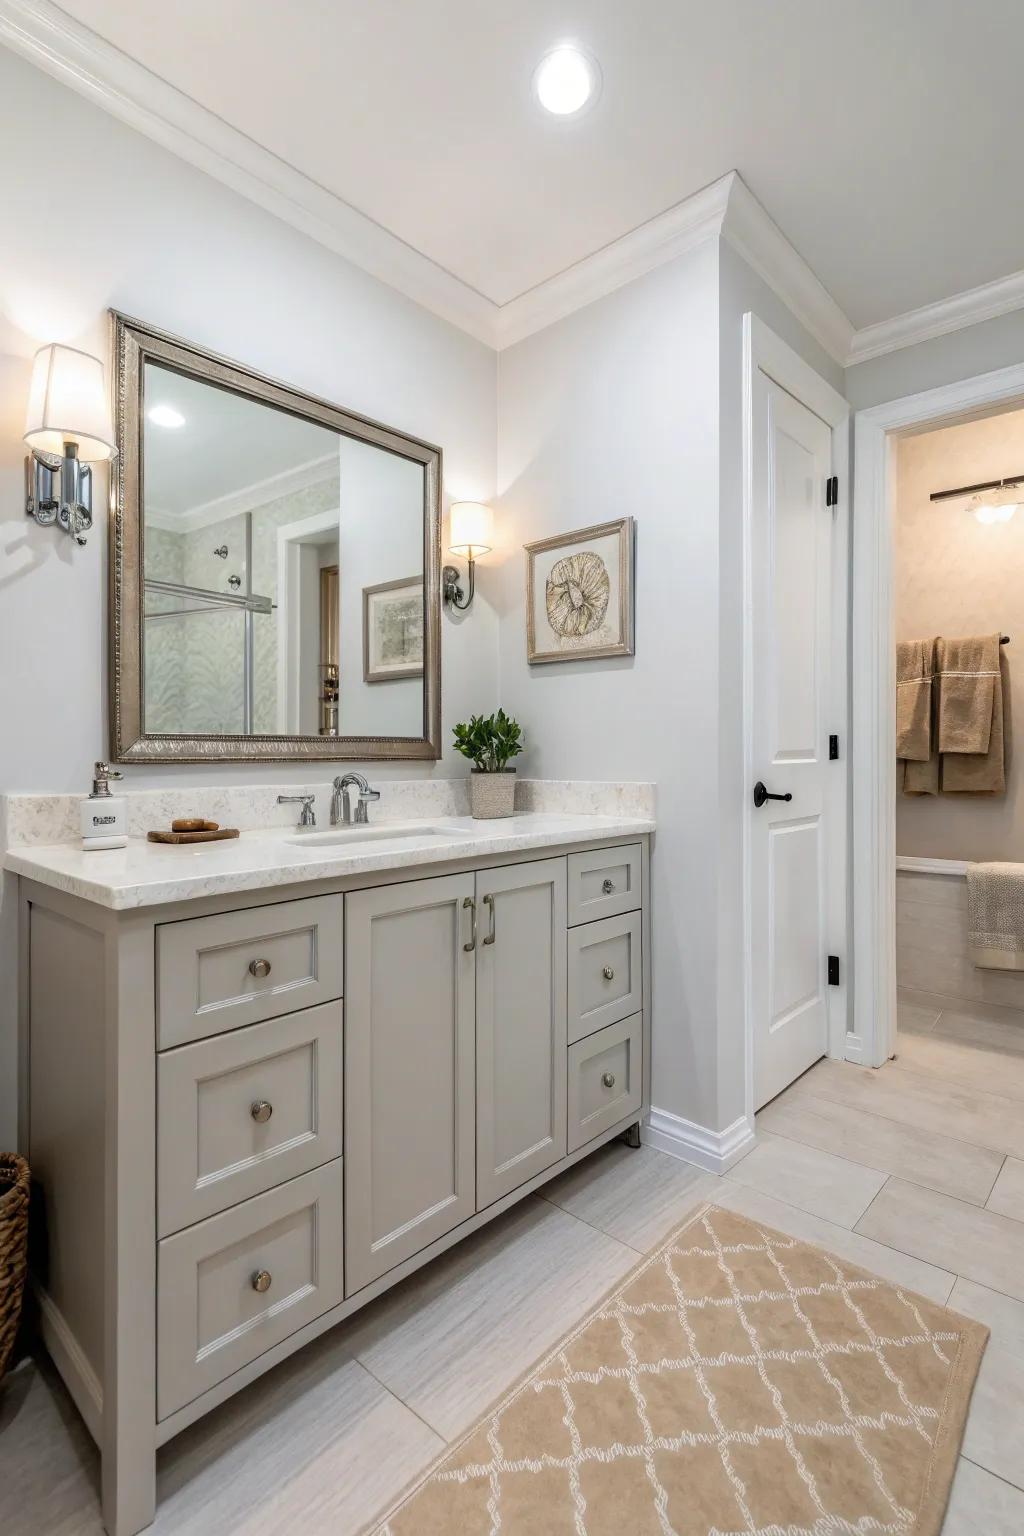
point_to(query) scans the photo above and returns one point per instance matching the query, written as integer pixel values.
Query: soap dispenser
(104, 824)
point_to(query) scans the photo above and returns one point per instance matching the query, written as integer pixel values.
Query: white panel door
(791, 577)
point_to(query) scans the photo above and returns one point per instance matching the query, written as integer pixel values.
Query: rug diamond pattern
(739, 1381)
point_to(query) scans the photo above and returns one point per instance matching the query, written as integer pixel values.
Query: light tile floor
(915, 1172)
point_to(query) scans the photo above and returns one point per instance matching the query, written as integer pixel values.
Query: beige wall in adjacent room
(956, 576)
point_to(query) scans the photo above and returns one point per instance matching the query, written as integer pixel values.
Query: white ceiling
(228, 445)
(884, 136)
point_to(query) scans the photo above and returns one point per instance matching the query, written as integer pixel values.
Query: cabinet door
(409, 1070)
(520, 1025)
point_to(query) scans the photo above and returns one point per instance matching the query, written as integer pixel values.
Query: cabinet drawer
(603, 882)
(217, 973)
(605, 1078)
(605, 973)
(244, 1111)
(211, 1316)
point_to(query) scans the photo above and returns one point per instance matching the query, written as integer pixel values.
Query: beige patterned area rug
(738, 1381)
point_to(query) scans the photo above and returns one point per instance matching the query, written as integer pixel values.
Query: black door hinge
(833, 970)
(833, 749)
(832, 491)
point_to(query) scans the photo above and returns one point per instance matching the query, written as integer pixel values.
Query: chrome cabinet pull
(608, 973)
(261, 1111)
(609, 1079)
(261, 1280)
(491, 932)
(607, 886)
(468, 901)
(259, 968)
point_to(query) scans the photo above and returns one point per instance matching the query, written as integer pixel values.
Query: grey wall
(945, 360)
(158, 239)
(613, 411)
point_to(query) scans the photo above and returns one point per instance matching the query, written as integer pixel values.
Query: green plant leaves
(489, 741)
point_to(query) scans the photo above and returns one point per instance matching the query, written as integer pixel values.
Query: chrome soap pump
(104, 823)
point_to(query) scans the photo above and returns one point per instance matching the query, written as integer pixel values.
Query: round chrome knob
(609, 1079)
(607, 886)
(608, 973)
(261, 1280)
(260, 968)
(261, 1111)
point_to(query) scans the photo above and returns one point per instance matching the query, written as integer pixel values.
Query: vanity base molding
(205, 1185)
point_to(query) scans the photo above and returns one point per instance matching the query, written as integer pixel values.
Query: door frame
(766, 352)
(873, 656)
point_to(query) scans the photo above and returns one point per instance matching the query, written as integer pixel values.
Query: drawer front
(234, 1286)
(603, 882)
(605, 973)
(244, 1111)
(605, 1079)
(218, 973)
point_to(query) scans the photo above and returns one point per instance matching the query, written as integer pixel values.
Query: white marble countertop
(149, 874)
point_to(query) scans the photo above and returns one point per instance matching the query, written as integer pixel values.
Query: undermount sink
(341, 838)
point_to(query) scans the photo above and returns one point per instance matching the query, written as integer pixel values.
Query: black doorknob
(761, 795)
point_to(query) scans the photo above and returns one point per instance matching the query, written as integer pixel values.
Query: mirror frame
(133, 345)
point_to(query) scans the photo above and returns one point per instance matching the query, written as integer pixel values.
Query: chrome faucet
(341, 810)
(307, 816)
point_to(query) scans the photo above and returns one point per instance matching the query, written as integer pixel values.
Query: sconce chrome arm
(59, 490)
(451, 588)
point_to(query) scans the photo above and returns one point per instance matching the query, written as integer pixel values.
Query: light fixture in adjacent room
(566, 81)
(165, 416)
(471, 534)
(67, 427)
(997, 505)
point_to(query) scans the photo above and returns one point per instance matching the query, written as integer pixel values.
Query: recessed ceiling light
(566, 80)
(166, 416)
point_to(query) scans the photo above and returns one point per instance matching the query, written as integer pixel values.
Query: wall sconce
(472, 534)
(67, 427)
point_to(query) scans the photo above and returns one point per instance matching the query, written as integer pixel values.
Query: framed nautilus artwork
(579, 594)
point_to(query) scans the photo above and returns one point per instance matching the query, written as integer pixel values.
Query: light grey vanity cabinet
(409, 1070)
(520, 1025)
(251, 1113)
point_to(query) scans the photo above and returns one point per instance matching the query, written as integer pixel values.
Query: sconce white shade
(68, 403)
(472, 529)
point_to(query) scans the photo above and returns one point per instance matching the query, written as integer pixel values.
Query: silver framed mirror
(275, 569)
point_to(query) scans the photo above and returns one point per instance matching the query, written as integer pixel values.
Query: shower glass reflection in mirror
(263, 533)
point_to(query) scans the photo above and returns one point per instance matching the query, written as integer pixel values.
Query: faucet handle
(369, 794)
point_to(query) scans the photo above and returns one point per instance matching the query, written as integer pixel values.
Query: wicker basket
(14, 1182)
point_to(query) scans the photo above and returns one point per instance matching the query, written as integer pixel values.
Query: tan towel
(920, 778)
(995, 904)
(915, 666)
(968, 672)
(981, 773)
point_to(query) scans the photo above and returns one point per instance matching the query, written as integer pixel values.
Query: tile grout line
(414, 1411)
(856, 1163)
(927, 1078)
(1017, 1487)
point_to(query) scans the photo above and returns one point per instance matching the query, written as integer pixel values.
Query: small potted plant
(489, 743)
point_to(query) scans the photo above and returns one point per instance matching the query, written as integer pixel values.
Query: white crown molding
(714, 1151)
(953, 314)
(247, 497)
(759, 240)
(661, 239)
(64, 48)
(53, 41)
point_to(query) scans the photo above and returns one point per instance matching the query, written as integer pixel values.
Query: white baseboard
(854, 1049)
(66, 1353)
(715, 1151)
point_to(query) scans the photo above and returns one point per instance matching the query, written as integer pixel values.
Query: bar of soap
(194, 824)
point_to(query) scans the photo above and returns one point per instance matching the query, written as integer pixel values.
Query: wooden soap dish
(193, 829)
